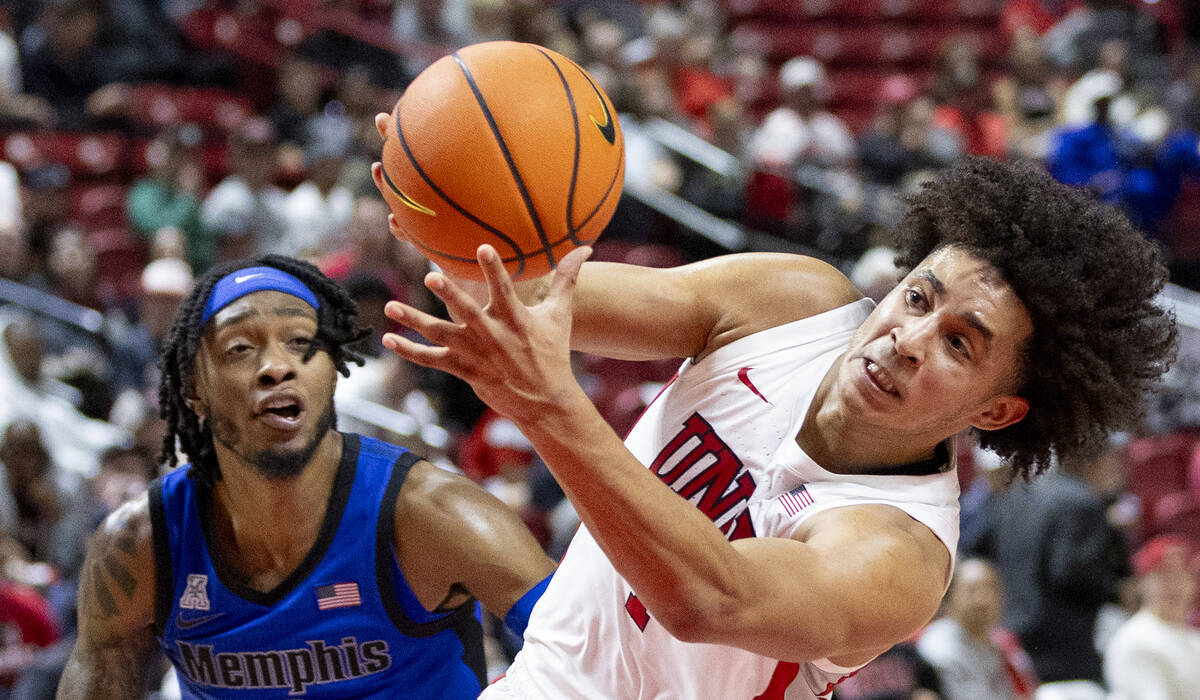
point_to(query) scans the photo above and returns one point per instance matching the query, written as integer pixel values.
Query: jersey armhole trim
(164, 582)
(461, 619)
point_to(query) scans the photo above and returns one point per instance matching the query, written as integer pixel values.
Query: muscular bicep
(861, 580)
(116, 651)
(640, 313)
(452, 536)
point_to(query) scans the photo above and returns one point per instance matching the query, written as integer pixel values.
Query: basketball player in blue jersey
(787, 508)
(287, 559)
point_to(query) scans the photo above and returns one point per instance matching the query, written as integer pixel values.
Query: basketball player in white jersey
(786, 509)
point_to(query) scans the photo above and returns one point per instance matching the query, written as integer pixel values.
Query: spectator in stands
(902, 139)
(1154, 654)
(359, 250)
(27, 626)
(298, 88)
(29, 473)
(45, 206)
(1059, 561)
(1028, 97)
(963, 100)
(964, 645)
(338, 49)
(800, 131)
(246, 211)
(1093, 156)
(897, 674)
(71, 268)
(63, 62)
(137, 342)
(30, 394)
(17, 109)
(1109, 77)
(16, 260)
(169, 194)
(321, 205)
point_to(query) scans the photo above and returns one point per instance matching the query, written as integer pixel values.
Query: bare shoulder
(117, 584)
(436, 505)
(454, 539)
(638, 313)
(115, 652)
(757, 291)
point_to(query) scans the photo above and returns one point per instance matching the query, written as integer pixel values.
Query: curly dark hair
(336, 330)
(1088, 280)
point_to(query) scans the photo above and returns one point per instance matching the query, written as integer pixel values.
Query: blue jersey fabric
(344, 624)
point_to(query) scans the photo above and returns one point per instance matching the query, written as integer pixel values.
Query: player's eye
(914, 298)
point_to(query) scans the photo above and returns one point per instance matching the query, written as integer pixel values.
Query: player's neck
(839, 442)
(271, 522)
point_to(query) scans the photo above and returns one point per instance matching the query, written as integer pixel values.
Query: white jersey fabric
(722, 434)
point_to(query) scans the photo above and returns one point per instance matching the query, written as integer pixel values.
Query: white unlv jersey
(721, 435)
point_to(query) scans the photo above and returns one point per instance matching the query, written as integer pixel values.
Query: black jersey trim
(939, 462)
(339, 497)
(164, 570)
(461, 619)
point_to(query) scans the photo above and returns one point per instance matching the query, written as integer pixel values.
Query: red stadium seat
(1178, 514)
(120, 258)
(99, 206)
(1156, 467)
(86, 155)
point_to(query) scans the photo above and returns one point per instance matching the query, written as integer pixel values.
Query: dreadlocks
(336, 330)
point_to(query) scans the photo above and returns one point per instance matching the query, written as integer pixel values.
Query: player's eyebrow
(971, 319)
(932, 279)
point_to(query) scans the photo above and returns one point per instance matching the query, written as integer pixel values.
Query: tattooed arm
(116, 651)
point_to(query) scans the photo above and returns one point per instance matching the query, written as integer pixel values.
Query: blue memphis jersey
(344, 624)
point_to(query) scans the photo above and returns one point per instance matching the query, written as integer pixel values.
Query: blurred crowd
(143, 140)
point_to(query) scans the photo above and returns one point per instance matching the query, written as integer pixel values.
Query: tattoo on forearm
(99, 589)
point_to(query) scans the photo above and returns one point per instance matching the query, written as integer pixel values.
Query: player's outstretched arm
(876, 570)
(116, 652)
(639, 313)
(455, 540)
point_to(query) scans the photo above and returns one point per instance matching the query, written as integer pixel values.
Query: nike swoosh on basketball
(184, 623)
(744, 378)
(243, 278)
(608, 130)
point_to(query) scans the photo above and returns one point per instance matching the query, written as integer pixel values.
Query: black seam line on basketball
(445, 197)
(575, 163)
(518, 258)
(512, 166)
(409, 201)
(607, 192)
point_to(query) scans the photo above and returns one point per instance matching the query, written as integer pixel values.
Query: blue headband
(248, 280)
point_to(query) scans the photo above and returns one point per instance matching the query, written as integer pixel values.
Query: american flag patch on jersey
(337, 595)
(796, 500)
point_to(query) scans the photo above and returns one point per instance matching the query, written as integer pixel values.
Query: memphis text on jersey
(314, 664)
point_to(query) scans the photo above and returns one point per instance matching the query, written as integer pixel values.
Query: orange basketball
(504, 143)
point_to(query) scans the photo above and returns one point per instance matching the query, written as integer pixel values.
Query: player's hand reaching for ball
(516, 357)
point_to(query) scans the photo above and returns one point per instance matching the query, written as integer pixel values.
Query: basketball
(504, 143)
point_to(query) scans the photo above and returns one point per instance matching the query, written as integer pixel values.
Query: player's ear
(1001, 412)
(381, 120)
(195, 405)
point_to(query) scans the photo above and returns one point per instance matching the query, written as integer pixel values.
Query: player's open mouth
(879, 377)
(282, 411)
